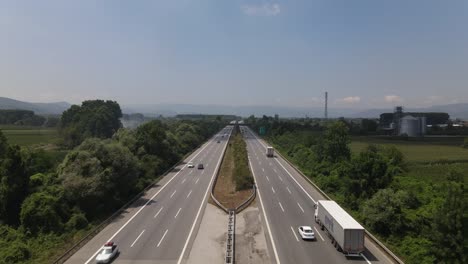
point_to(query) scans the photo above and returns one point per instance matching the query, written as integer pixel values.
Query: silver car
(109, 251)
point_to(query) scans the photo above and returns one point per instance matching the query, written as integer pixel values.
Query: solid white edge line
(129, 220)
(177, 213)
(281, 206)
(319, 233)
(294, 233)
(162, 238)
(199, 209)
(137, 238)
(266, 219)
(156, 215)
(300, 207)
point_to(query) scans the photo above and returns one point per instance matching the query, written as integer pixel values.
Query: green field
(422, 150)
(26, 136)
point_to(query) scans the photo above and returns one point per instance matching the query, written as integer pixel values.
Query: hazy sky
(365, 53)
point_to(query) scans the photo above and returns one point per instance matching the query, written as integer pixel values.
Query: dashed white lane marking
(268, 179)
(162, 238)
(190, 172)
(281, 179)
(294, 233)
(189, 193)
(300, 207)
(197, 180)
(273, 189)
(173, 193)
(263, 169)
(137, 238)
(183, 180)
(288, 189)
(319, 234)
(156, 215)
(266, 219)
(281, 206)
(177, 213)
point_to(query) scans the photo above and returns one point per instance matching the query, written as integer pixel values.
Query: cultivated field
(425, 150)
(26, 136)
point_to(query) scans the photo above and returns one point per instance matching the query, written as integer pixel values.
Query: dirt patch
(250, 240)
(225, 188)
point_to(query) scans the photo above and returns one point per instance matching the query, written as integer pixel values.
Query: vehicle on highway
(306, 232)
(218, 141)
(108, 253)
(347, 234)
(190, 165)
(270, 152)
(200, 166)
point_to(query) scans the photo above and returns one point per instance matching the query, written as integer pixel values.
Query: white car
(108, 252)
(190, 165)
(306, 232)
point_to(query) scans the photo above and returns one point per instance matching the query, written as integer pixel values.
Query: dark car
(200, 166)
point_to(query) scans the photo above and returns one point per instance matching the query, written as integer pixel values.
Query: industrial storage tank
(423, 125)
(410, 126)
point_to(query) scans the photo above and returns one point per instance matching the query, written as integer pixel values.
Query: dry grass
(225, 189)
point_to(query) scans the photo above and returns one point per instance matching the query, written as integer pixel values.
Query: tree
(99, 170)
(13, 184)
(465, 143)
(383, 213)
(41, 212)
(335, 143)
(448, 237)
(95, 118)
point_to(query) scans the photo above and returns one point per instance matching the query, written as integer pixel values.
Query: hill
(38, 108)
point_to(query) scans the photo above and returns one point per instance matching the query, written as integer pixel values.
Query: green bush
(15, 252)
(77, 221)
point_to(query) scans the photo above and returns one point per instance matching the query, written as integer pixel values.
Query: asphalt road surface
(161, 226)
(287, 201)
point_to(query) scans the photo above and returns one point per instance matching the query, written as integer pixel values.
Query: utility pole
(326, 105)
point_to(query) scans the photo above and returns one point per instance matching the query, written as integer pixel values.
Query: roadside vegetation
(235, 181)
(412, 196)
(50, 199)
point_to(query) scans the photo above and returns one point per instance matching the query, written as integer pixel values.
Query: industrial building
(415, 124)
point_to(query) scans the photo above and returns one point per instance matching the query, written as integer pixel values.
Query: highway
(287, 201)
(161, 226)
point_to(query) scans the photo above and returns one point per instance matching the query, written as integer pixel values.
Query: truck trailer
(347, 234)
(270, 151)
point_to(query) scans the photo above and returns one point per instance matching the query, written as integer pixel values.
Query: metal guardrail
(222, 207)
(77, 246)
(387, 251)
(230, 239)
(249, 200)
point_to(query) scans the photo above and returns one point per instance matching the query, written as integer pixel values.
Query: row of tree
(42, 198)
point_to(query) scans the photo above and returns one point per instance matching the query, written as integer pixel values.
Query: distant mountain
(38, 108)
(454, 110)
(282, 111)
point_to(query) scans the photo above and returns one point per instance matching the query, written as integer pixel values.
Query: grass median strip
(234, 184)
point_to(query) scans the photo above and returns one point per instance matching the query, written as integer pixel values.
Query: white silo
(410, 126)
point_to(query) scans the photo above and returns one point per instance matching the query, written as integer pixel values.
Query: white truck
(270, 151)
(346, 233)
